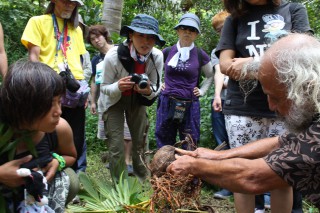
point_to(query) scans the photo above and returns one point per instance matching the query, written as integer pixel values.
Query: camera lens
(143, 84)
(135, 78)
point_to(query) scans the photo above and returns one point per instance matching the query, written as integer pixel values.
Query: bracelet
(61, 160)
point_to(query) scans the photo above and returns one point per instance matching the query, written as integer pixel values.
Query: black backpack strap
(200, 64)
(128, 62)
(158, 77)
(166, 53)
(125, 58)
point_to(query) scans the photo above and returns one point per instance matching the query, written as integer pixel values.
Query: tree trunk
(112, 15)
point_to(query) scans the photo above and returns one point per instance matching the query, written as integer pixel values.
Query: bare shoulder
(63, 127)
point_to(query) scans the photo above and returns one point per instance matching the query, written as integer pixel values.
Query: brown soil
(220, 206)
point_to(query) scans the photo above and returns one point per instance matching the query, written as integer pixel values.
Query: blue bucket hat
(189, 19)
(145, 24)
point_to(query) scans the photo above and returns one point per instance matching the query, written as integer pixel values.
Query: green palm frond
(5, 134)
(8, 142)
(101, 195)
(88, 186)
(8, 145)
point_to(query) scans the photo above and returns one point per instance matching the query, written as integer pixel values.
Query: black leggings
(76, 118)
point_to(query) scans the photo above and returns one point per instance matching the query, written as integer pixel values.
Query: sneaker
(267, 201)
(130, 170)
(258, 210)
(222, 194)
(75, 200)
(107, 166)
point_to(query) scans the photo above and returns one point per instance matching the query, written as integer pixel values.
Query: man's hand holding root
(182, 165)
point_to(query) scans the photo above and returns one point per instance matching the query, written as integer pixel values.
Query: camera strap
(158, 77)
(62, 38)
(127, 62)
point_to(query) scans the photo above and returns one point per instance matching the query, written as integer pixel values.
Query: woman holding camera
(122, 94)
(179, 107)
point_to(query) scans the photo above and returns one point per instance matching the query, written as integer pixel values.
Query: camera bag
(78, 98)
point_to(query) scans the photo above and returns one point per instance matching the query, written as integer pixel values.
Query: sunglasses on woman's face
(191, 29)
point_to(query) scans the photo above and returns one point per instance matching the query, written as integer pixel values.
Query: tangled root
(174, 192)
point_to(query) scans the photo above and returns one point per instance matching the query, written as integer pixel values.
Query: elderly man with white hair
(289, 73)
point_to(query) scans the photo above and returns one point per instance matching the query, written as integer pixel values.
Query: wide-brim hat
(145, 24)
(189, 19)
(79, 2)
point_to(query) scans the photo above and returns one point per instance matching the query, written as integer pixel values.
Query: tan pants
(137, 121)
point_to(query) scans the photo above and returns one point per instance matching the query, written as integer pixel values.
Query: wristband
(61, 160)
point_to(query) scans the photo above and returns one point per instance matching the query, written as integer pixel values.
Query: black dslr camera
(71, 83)
(140, 79)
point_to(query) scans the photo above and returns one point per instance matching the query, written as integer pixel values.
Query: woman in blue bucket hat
(179, 106)
(131, 80)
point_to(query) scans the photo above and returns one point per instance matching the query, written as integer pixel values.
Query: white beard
(65, 15)
(299, 117)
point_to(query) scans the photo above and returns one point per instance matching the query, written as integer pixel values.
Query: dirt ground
(220, 206)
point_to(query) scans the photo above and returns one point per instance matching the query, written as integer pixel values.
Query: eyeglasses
(191, 29)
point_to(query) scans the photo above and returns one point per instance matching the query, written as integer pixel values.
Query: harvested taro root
(172, 192)
(162, 159)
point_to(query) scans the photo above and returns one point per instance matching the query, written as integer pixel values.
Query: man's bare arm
(253, 150)
(237, 174)
(34, 52)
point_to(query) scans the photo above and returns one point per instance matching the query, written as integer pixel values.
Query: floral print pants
(243, 129)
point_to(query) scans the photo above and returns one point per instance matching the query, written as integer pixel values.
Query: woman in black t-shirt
(247, 33)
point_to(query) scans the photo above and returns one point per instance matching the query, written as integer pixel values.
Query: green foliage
(168, 14)
(8, 143)
(14, 17)
(313, 8)
(206, 134)
(100, 194)
(309, 207)
(96, 145)
(91, 12)
(152, 113)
